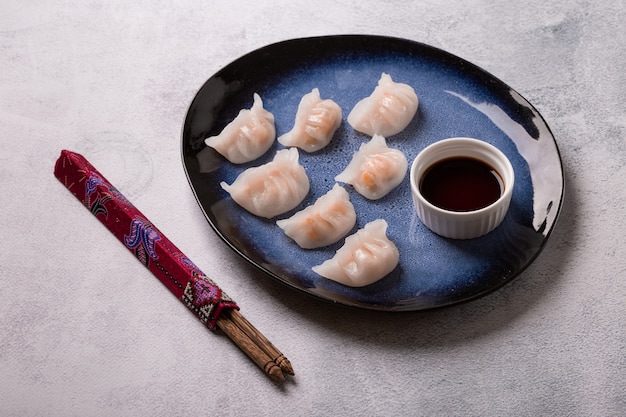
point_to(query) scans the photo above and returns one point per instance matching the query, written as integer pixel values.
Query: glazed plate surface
(456, 98)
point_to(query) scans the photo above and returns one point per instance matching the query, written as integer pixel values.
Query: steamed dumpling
(316, 123)
(271, 189)
(248, 136)
(375, 169)
(366, 256)
(389, 109)
(329, 219)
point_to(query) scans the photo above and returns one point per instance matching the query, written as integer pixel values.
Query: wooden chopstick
(260, 340)
(249, 345)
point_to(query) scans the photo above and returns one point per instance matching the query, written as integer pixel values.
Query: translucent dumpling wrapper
(315, 124)
(248, 136)
(375, 169)
(366, 257)
(271, 189)
(387, 111)
(326, 221)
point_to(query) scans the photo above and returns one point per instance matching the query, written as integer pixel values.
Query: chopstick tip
(275, 373)
(285, 365)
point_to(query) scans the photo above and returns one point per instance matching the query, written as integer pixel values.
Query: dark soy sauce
(461, 184)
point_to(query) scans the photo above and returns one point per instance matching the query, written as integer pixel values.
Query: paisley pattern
(140, 236)
(92, 183)
(142, 233)
(98, 206)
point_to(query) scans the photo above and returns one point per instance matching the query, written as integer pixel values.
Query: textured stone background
(84, 329)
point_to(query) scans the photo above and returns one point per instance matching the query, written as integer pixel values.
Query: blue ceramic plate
(456, 99)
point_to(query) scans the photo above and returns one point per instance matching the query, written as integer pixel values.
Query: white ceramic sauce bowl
(462, 224)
